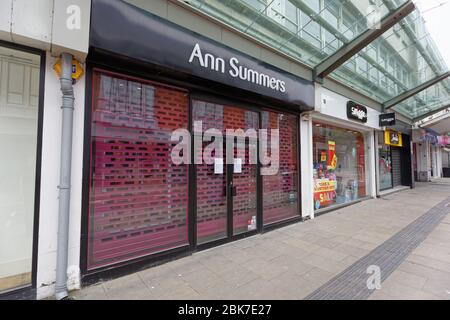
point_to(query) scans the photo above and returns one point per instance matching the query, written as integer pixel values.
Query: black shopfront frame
(197, 90)
(29, 292)
(406, 171)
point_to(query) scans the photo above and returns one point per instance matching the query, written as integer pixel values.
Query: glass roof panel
(307, 30)
(403, 58)
(432, 99)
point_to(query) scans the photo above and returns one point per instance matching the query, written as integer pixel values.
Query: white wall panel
(335, 105)
(71, 23)
(32, 22)
(5, 19)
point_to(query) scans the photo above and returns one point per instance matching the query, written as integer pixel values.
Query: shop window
(138, 199)
(280, 191)
(339, 165)
(19, 96)
(385, 163)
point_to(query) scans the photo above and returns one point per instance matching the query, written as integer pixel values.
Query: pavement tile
(439, 288)
(429, 262)
(324, 263)
(423, 271)
(400, 291)
(238, 277)
(264, 269)
(201, 281)
(408, 279)
(331, 254)
(94, 292)
(294, 286)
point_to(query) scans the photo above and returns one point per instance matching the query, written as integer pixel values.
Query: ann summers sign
(356, 112)
(234, 69)
(122, 29)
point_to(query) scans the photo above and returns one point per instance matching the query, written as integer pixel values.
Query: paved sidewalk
(444, 181)
(296, 261)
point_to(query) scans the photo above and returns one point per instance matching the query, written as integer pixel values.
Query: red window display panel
(245, 180)
(211, 196)
(280, 191)
(138, 197)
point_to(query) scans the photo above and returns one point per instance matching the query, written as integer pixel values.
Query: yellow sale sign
(324, 185)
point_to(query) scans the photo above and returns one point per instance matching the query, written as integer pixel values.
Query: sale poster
(324, 192)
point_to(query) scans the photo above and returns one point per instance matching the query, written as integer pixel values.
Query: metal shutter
(396, 167)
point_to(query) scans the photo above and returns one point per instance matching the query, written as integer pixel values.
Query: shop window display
(339, 165)
(385, 167)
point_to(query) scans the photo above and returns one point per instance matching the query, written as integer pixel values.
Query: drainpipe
(65, 175)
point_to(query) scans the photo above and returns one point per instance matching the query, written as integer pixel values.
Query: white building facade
(33, 34)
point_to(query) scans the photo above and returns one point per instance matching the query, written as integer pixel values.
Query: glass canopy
(425, 103)
(310, 31)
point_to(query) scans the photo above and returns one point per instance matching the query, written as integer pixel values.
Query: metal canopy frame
(429, 114)
(355, 46)
(410, 93)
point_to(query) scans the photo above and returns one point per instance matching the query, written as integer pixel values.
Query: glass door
(385, 167)
(211, 202)
(243, 169)
(226, 201)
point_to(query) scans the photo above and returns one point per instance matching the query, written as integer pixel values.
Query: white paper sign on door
(238, 165)
(218, 165)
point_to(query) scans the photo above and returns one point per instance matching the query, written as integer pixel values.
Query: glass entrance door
(226, 201)
(244, 168)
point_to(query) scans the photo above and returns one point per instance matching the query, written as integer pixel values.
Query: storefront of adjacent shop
(21, 110)
(343, 157)
(394, 157)
(139, 206)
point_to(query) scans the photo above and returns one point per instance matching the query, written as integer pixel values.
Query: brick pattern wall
(211, 198)
(245, 200)
(138, 198)
(280, 191)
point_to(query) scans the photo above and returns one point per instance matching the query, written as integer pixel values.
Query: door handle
(232, 189)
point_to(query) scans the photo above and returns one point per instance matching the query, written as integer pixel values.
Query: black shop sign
(387, 120)
(356, 112)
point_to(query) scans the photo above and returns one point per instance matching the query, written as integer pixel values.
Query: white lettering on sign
(236, 70)
(360, 114)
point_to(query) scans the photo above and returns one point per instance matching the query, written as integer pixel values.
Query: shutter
(396, 167)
